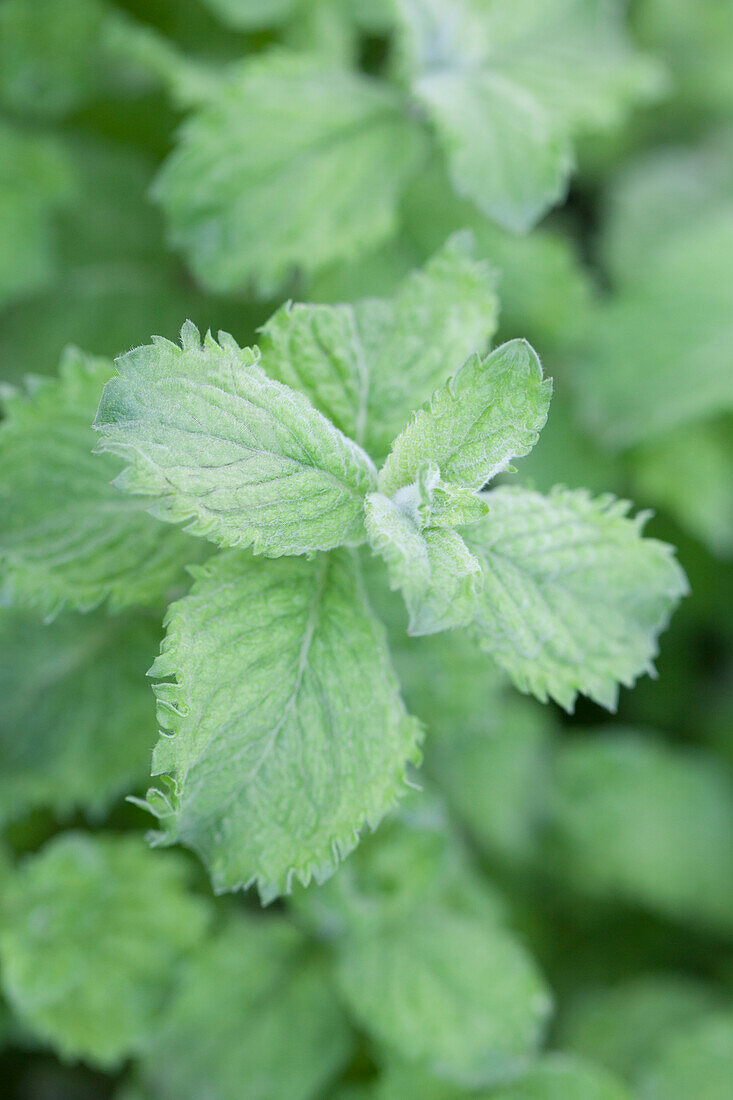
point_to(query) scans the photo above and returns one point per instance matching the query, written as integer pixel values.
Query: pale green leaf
(292, 165)
(367, 366)
(252, 14)
(287, 732)
(78, 725)
(564, 1077)
(573, 598)
(696, 1061)
(633, 819)
(447, 991)
(67, 535)
(490, 412)
(255, 1010)
(92, 931)
(507, 88)
(435, 571)
(241, 459)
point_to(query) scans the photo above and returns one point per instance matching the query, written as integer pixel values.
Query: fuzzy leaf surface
(243, 460)
(368, 365)
(288, 731)
(93, 928)
(490, 412)
(67, 535)
(573, 598)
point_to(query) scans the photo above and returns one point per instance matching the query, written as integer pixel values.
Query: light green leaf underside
(35, 181)
(67, 535)
(254, 1005)
(658, 350)
(447, 991)
(239, 458)
(696, 1061)
(506, 89)
(291, 165)
(490, 412)
(368, 365)
(288, 732)
(434, 569)
(610, 791)
(78, 725)
(93, 930)
(573, 598)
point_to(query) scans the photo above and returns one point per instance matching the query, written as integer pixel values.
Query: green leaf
(688, 473)
(633, 819)
(437, 574)
(622, 1027)
(564, 1077)
(446, 991)
(490, 412)
(67, 535)
(367, 366)
(246, 15)
(573, 598)
(35, 182)
(283, 748)
(697, 1061)
(658, 349)
(78, 725)
(292, 165)
(93, 929)
(507, 89)
(243, 460)
(254, 1005)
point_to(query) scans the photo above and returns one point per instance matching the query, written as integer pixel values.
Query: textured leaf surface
(633, 819)
(573, 598)
(93, 929)
(290, 166)
(255, 1005)
(67, 535)
(506, 89)
(437, 574)
(288, 730)
(244, 460)
(78, 725)
(490, 412)
(659, 349)
(447, 991)
(367, 366)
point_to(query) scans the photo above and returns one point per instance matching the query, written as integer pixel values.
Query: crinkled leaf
(67, 535)
(506, 89)
(434, 569)
(291, 165)
(93, 929)
(447, 991)
(490, 412)
(78, 725)
(573, 598)
(633, 819)
(283, 748)
(368, 365)
(255, 1005)
(243, 460)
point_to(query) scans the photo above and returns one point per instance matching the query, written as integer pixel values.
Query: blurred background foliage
(561, 894)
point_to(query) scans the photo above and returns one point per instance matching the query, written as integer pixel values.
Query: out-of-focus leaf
(92, 931)
(633, 820)
(255, 1013)
(78, 724)
(696, 1061)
